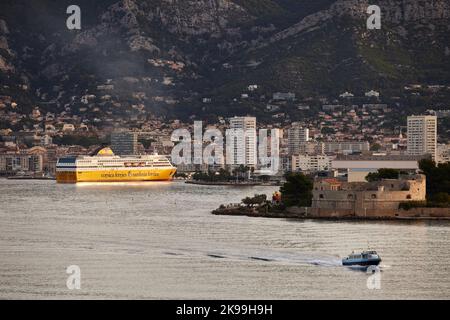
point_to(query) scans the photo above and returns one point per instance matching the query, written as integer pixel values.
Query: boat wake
(279, 257)
(381, 267)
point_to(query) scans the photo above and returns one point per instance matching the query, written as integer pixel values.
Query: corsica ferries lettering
(130, 174)
(105, 166)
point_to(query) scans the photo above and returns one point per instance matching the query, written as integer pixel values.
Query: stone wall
(363, 199)
(380, 213)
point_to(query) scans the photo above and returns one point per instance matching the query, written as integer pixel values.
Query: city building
(422, 135)
(310, 163)
(68, 127)
(443, 153)
(372, 93)
(286, 163)
(297, 137)
(124, 142)
(46, 140)
(12, 164)
(357, 167)
(244, 141)
(312, 147)
(346, 94)
(346, 147)
(332, 196)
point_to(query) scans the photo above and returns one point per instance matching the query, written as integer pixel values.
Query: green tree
(200, 176)
(180, 175)
(327, 130)
(297, 190)
(383, 174)
(264, 178)
(440, 198)
(438, 177)
(224, 175)
(375, 147)
(258, 199)
(84, 141)
(146, 142)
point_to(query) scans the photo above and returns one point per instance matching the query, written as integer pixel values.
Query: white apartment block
(311, 163)
(422, 135)
(244, 150)
(297, 137)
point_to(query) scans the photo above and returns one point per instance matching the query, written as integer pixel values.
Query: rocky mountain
(180, 58)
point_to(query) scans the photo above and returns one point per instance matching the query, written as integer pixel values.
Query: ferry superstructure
(107, 167)
(365, 258)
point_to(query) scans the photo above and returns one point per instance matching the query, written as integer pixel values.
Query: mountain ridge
(195, 49)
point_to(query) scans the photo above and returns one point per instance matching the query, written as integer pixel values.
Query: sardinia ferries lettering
(129, 174)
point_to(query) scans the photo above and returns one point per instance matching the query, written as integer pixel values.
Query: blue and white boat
(365, 258)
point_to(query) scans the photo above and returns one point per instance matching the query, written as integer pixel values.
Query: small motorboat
(365, 258)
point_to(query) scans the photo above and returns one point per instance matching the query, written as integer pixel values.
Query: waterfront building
(244, 146)
(422, 135)
(332, 196)
(12, 164)
(357, 167)
(298, 136)
(124, 142)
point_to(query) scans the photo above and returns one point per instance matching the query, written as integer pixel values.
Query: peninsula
(380, 198)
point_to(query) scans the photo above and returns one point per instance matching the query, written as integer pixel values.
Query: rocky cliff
(175, 52)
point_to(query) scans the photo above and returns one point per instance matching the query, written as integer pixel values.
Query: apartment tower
(422, 135)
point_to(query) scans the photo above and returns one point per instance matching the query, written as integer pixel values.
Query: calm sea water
(159, 241)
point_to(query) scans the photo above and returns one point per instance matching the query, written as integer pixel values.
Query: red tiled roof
(331, 181)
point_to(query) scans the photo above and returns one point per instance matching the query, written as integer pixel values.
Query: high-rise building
(124, 143)
(244, 145)
(312, 163)
(298, 136)
(422, 135)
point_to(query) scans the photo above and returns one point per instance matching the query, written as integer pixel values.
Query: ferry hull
(371, 262)
(115, 176)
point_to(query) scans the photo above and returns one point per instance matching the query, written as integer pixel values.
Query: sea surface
(160, 241)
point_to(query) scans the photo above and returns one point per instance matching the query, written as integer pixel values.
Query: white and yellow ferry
(107, 167)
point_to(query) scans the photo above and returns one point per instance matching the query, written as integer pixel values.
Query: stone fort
(336, 198)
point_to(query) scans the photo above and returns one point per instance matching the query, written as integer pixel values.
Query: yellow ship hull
(115, 175)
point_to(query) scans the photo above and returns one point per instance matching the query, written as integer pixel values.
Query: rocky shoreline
(301, 213)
